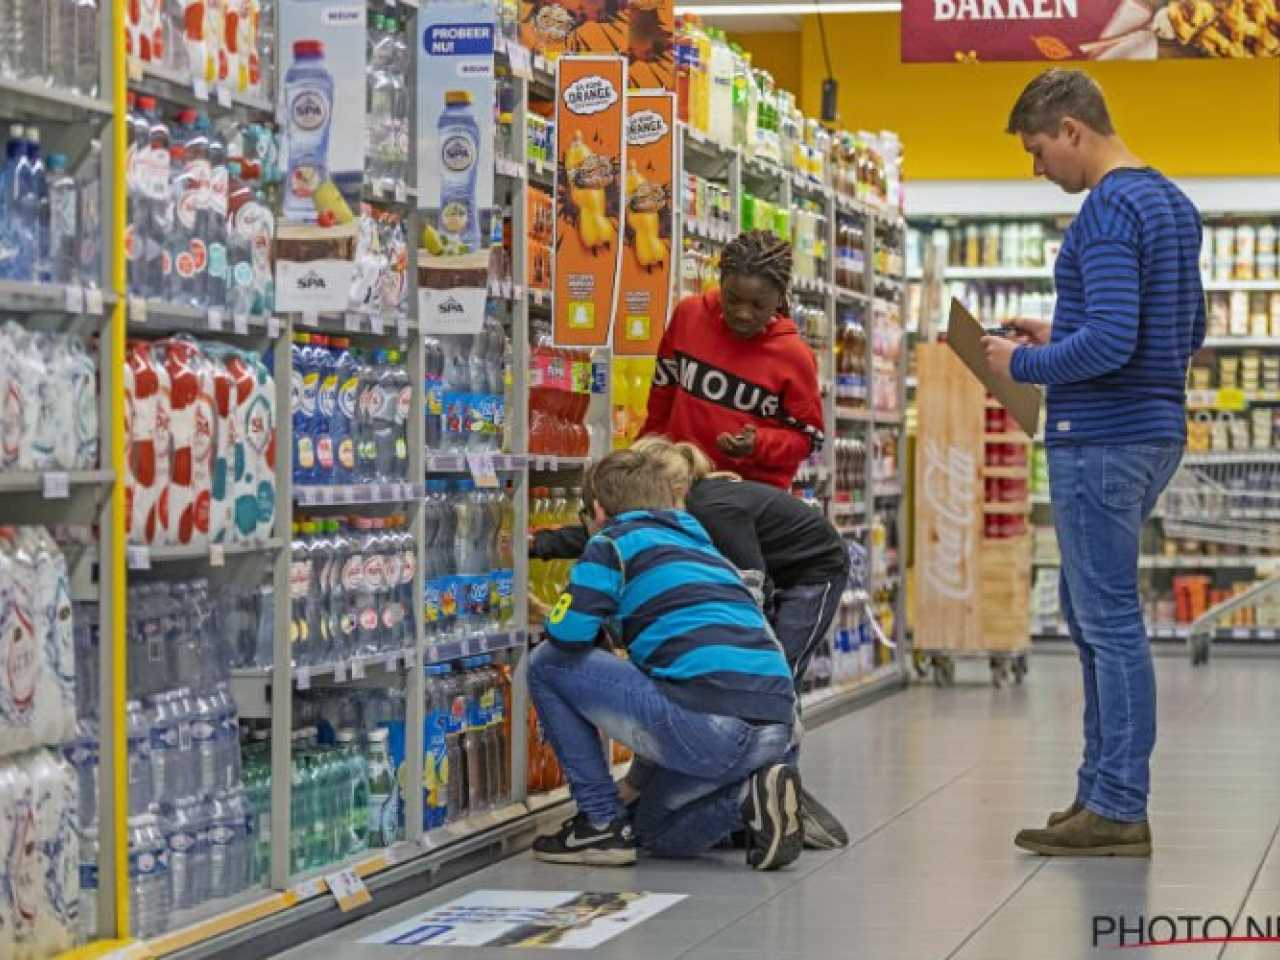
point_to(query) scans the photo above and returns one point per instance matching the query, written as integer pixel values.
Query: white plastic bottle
(84, 77)
(64, 264)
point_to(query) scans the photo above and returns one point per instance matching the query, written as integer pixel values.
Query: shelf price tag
(200, 88)
(482, 470)
(402, 192)
(93, 301)
(138, 557)
(215, 318)
(240, 322)
(310, 318)
(521, 61)
(273, 327)
(348, 889)
(308, 889)
(302, 678)
(357, 669)
(375, 324)
(138, 309)
(217, 555)
(134, 70)
(56, 486)
(75, 299)
(340, 672)
(402, 327)
(224, 97)
(352, 322)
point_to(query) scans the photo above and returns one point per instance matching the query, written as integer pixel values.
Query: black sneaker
(822, 831)
(771, 814)
(579, 842)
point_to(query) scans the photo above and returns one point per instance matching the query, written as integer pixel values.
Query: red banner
(591, 157)
(645, 296)
(971, 31)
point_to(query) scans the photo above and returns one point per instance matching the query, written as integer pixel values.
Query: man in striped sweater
(706, 695)
(1129, 316)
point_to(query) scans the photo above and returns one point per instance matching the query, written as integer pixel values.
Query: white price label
(224, 97)
(138, 309)
(402, 192)
(138, 557)
(75, 299)
(308, 889)
(215, 318)
(340, 672)
(240, 322)
(273, 327)
(57, 486)
(410, 656)
(217, 555)
(133, 69)
(352, 322)
(402, 327)
(93, 301)
(357, 669)
(482, 470)
(375, 323)
(521, 60)
(375, 187)
(310, 318)
(200, 88)
(302, 678)
(348, 889)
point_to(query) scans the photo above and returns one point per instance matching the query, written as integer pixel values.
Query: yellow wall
(1188, 118)
(779, 53)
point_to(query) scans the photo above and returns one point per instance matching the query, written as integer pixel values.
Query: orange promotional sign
(643, 31)
(645, 293)
(591, 156)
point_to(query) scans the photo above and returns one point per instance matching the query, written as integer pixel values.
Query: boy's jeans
(1102, 495)
(694, 799)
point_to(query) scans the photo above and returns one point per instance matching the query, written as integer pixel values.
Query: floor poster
(549, 919)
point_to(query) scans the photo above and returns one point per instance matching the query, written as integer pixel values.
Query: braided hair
(759, 253)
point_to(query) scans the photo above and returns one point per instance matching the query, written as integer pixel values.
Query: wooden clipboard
(964, 337)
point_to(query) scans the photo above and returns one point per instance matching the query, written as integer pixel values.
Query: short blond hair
(684, 463)
(627, 480)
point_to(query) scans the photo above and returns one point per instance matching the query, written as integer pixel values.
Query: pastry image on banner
(591, 157)
(455, 144)
(645, 287)
(643, 31)
(1000, 30)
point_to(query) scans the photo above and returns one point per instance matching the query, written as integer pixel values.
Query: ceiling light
(766, 9)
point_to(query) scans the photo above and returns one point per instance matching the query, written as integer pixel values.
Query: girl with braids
(734, 377)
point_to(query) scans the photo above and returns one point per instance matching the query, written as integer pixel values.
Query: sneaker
(822, 831)
(578, 841)
(771, 814)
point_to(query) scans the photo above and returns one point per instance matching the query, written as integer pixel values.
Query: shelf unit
(289, 904)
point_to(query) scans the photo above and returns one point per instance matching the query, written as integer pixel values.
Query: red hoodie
(709, 381)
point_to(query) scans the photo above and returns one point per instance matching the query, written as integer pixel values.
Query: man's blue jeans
(694, 797)
(1102, 495)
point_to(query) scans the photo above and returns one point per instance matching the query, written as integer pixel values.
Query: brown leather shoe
(1088, 835)
(1067, 814)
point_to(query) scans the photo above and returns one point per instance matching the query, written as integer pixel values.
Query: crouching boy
(706, 695)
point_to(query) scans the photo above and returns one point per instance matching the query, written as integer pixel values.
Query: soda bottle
(216, 207)
(326, 408)
(303, 392)
(398, 383)
(342, 422)
(155, 180)
(455, 715)
(477, 761)
(434, 360)
(348, 581)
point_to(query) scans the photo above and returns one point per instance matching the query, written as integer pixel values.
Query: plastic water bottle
(150, 896)
(33, 47)
(13, 243)
(403, 393)
(326, 409)
(63, 238)
(308, 91)
(433, 355)
(382, 417)
(89, 216)
(88, 843)
(60, 18)
(459, 156)
(84, 60)
(380, 113)
(357, 804)
(186, 835)
(222, 838)
(141, 778)
(302, 406)
(25, 212)
(205, 724)
(455, 715)
(342, 422)
(155, 166)
(382, 792)
(189, 252)
(216, 219)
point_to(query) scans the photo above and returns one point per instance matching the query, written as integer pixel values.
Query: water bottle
(326, 408)
(184, 765)
(455, 715)
(33, 47)
(60, 19)
(342, 422)
(320, 552)
(382, 792)
(13, 243)
(63, 237)
(383, 399)
(222, 839)
(141, 779)
(433, 356)
(308, 91)
(150, 896)
(84, 60)
(242, 816)
(299, 804)
(186, 836)
(216, 216)
(381, 106)
(137, 209)
(162, 720)
(459, 155)
(189, 252)
(229, 736)
(25, 213)
(205, 726)
(156, 210)
(357, 804)
(88, 843)
(368, 398)
(402, 392)
(89, 217)
(302, 409)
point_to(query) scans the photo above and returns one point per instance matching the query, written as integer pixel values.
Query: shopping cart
(1230, 500)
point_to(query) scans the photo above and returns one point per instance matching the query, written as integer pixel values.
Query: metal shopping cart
(1230, 499)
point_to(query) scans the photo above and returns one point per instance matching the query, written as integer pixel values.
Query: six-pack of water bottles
(48, 402)
(39, 793)
(468, 561)
(200, 424)
(468, 390)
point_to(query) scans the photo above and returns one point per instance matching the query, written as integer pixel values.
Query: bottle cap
(308, 49)
(457, 98)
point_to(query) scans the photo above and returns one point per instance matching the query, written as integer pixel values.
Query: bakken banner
(643, 31)
(976, 30)
(591, 156)
(646, 259)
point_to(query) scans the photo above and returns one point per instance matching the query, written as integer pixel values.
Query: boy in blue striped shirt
(706, 695)
(1129, 316)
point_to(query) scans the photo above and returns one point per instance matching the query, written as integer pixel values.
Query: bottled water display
(468, 379)
(468, 563)
(40, 793)
(48, 383)
(193, 821)
(387, 104)
(467, 735)
(350, 411)
(380, 287)
(215, 44)
(201, 428)
(53, 43)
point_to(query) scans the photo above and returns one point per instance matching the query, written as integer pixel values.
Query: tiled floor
(932, 785)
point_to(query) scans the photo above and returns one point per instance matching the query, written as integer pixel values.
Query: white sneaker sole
(780, 793)
(590, 858)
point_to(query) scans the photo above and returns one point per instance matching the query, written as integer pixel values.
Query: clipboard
(964, 337)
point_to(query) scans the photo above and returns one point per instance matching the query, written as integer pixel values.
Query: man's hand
(739, 445)
(537, 610)
(1031, 333)
(999, 353)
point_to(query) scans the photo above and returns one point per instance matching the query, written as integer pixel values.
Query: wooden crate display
(973, 591)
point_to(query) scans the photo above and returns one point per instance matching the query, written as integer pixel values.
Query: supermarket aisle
(932, 785)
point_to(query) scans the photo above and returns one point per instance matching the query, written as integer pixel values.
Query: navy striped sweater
(1130, 314)
(685, 616)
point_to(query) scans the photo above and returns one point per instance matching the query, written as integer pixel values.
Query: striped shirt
(1130, 314)
(683, 613)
